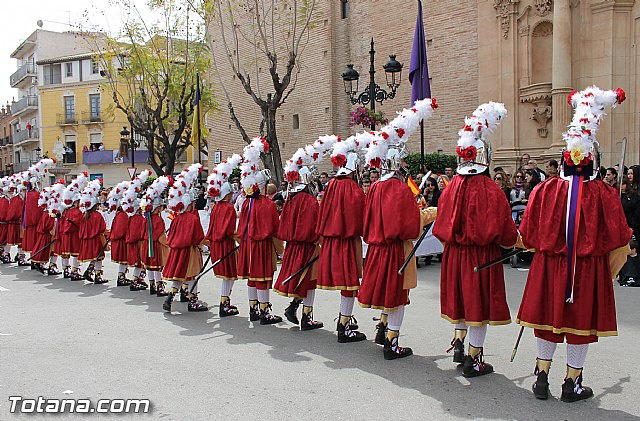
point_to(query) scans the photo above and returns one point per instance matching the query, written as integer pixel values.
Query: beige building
(528, 54)
(6, 141)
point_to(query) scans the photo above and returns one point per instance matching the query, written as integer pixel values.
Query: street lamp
(373, 93)
(38, 153)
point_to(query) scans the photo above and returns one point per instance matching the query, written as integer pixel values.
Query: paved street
(60, 339)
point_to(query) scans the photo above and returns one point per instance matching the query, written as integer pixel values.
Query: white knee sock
(53, 259)
(97, 264)
(476, 335)
(7, 248)
(136, 272)
(190, 285)
(122, 268)
(151, 275)
(74, 262)
(461, 326)
(263, 295)
(576, 355)
(253, 293)
(546, 349)
(20, 250)
(346, 305)
(227, 285)
(310, 298)
(176, 284)
(395, 318)
(158, 275)
(65, 262)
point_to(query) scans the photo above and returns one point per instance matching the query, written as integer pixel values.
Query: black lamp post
(38, 153)
(373, 93)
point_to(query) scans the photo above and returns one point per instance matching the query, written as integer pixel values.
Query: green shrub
(435, 162)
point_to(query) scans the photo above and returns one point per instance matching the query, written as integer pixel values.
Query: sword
(413, 251)
(41, 250)
(302, 269)
(515, 348)
(498, 260)
(104, 247)
(216, 263)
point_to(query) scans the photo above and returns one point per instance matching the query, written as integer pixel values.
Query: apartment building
(6, 141)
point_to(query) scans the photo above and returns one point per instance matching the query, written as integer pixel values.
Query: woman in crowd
(532, 179)
(631, 205)
(633, 174)
(431, 192)
(517, 195)
(500, 178)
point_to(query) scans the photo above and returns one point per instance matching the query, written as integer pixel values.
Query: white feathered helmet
(115, 195)
(474, 149)
(153, 196)
(182, 193)
(251, 178)
(55, 205)
(72, 191)
(130, 200)
(582, 154)
(218, 186)
(37, 171)
(89, 196)
(300, 169)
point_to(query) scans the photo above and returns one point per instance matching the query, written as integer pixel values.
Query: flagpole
(198, 128)
(421, 70)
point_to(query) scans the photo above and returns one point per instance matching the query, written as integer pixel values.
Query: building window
(344, 8)
(95, 67)
(52, 74)
(94, 102)
(69, 109)
(296, 121)
(68, 69)
(69, 149)
(95, 142)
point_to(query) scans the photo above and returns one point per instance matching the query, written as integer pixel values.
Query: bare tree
(151, 72)
(254, 32)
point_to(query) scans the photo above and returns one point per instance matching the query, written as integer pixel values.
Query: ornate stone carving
(542, 113)
(503, 13)
(543, 7)
(543, 29)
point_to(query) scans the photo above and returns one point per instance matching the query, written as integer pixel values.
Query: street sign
(132, 172)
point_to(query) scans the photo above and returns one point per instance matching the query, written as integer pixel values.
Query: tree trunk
(273, 161)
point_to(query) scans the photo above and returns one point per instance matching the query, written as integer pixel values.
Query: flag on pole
(197, 119)
(413, 186)
(418, 69)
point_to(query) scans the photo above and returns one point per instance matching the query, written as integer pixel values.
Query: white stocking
(395, 318)
(122, 268)
(65, 262)
(97, 264)
(546, 349)
(460, 326)
(476, 335)
(74, 262)
(227, 285)
(346, 305)
(310, 298)
(576, 355)
(263, 296)
(253, 293)
(136, 272)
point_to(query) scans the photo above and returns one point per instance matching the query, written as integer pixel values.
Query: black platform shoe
(226, 309)
(196, 305)
(152, 288)
(66, 272)
(254, 313)
(394, 351)
(53, 269)
(291, 312)
(33, 266)
(22, 260)
(166, 306)
(457, 346)
(575, 391)
(40, 268)
(135, 285)
(98, 279)
(160, 291)
(122, 280)
(266, 318)
(381, 333)
(541, 386)
(348, 334)
(308, 323)
(184, 297)
(89, 273)
(75, 275)
(475, 366)
(141, 283)
(353, 323)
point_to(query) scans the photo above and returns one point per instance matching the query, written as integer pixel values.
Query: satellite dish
(40, 23)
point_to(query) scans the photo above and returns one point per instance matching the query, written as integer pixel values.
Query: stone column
(561, 73)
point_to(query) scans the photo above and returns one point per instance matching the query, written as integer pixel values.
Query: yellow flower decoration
(577, 155)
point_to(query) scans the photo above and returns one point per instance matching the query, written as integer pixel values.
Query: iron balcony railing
(65, 119)
(24, 103)
(25, 134)
(27, 69)
(89, 117)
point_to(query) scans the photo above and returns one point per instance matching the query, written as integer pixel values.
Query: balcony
(111, 157)
(25, 135)
(23, 104)
(22, 166)
(66, 119)
(26, 70)
(90, 117)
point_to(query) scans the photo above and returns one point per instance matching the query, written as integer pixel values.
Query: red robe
(474, 220)
(391, 217)
(298, 229)
(340, 221)
(14, 221)
(159, 240)
(603, 228)
(32, 215)
(92, 239)
(222, 227)
(69, 229)
(257, 228)
(119, 228)
(4, 209)
(185, 261)
(43, 230)
(135, 235)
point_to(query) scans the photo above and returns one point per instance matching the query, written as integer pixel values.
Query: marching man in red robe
(135, 230)
(14, 216)
(68, 244)
(92, 233)
(184, 262)
(4, 208)
(256, 233)
(298, 229)
(50, 201)
(581, 243)
(472, 300)
(221, 233)
(33, 212)
(118, 233)
(392, 220)
(154, 248)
